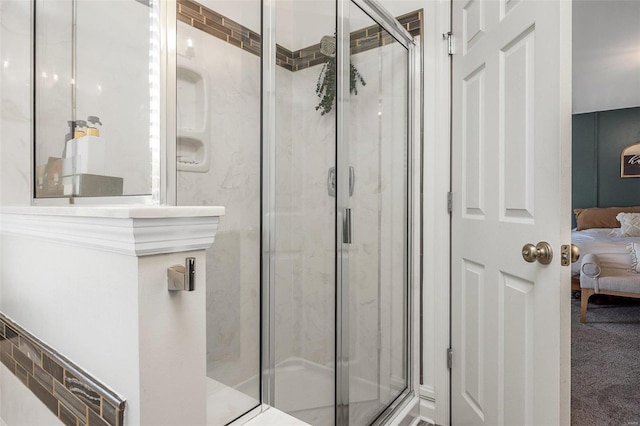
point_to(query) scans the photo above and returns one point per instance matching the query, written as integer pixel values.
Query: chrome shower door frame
(268, 200)
(390, 24)
(268, 231)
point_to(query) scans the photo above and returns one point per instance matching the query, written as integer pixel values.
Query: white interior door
(511, 186)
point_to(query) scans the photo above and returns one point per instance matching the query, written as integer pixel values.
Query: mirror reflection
(95, 97)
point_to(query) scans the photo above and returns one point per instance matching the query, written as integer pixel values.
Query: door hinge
(451, 42)
(450, 202)
(449, 358)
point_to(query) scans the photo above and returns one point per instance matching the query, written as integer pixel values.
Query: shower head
(328, 46)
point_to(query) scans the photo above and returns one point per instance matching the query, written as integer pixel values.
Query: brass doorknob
(541, 252)
(575, 253)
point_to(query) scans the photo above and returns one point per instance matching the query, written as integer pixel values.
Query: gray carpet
(605, 364)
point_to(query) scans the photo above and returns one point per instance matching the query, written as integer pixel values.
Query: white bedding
(610, 247)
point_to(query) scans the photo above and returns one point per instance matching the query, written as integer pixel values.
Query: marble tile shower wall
(376, 294)
(305, 213)
(53, 88)
(288, 249)
(232, 180)
(312, 147)
(15, 107)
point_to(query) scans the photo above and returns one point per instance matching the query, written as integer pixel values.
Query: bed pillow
(634, 249)
(629, 224)
(601, 217)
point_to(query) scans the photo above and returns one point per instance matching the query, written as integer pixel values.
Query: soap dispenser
(93, 130)
(80, 129)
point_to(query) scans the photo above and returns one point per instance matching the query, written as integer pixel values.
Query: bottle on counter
(80, 129)
(93, 129)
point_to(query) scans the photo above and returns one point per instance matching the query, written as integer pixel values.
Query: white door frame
(434, 390)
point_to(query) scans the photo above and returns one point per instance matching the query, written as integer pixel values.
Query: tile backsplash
(65, 389)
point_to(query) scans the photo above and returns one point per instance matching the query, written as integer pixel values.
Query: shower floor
(306, 390)
(303, 389)
(224, 402)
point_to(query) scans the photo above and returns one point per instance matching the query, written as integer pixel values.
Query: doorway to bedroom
(605, 327)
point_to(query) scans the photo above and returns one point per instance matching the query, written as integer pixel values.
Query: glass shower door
(218, 159)
(335, 115)
(374, 270)
(302, 247)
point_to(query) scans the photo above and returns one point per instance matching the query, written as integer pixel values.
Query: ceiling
(606, 54)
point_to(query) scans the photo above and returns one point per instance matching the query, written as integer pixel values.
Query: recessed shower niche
(193, 130)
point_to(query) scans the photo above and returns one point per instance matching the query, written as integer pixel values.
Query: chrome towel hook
(182, 277)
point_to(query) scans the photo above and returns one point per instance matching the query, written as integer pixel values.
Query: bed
(609, 253)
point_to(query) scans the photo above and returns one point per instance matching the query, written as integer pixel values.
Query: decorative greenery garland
(326, 87)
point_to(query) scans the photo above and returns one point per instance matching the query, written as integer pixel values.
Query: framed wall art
(630, 161)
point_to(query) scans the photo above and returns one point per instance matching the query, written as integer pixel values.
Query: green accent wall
(598, 140)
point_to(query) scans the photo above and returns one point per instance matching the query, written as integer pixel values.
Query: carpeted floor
(605, 364)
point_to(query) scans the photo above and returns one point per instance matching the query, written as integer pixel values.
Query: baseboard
(409, 415)
(427, 404)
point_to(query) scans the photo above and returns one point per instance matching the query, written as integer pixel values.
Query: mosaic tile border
(219, 26)
(361, 40)
(71, 394)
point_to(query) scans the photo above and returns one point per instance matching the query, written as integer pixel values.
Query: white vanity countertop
(137, 230)
(118, 211)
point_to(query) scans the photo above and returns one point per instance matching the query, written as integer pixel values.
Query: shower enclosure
(297, 117)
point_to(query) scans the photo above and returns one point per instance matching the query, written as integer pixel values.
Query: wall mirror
(97, 91)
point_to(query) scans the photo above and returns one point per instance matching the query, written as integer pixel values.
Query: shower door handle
(332, 181)
(346, 230)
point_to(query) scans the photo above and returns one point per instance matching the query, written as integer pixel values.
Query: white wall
(606, 55)
(113, 316)
(69, 300)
